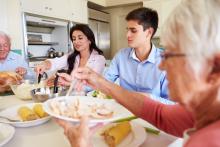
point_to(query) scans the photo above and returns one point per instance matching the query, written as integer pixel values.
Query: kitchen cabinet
(57, 9)
(164, 8)
(78, 11)
(73, 10)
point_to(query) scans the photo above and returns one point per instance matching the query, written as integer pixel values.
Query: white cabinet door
(79, 11)
(51, 8)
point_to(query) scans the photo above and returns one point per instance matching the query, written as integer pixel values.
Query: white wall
(11, 22)
(118, 26)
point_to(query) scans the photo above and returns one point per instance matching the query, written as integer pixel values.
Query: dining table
(51, 134)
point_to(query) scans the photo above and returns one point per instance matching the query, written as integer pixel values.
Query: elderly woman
(192, 62)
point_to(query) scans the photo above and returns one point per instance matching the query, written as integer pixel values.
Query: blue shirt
(13, 61)
(139, 76)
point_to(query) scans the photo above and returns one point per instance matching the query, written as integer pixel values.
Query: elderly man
(10, 61)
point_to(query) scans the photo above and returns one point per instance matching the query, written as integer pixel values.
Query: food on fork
(76, 109)
(26, 114)
(99, 94)
(114, 135)
(38, 109)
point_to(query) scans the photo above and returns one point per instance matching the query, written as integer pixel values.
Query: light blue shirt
(139, 76)
(13, 61)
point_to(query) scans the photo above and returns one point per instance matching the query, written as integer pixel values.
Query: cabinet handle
(48, 20)
(50, 9)
(46, 7)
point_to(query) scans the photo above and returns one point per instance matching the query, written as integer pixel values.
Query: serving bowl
(44, 93)
(23, 89)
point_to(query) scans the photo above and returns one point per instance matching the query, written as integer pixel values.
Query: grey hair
(4, 35)
(194, 28)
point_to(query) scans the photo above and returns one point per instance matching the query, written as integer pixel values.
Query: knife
(39, 78)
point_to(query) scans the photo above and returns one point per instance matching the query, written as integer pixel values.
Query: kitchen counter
(51, 135)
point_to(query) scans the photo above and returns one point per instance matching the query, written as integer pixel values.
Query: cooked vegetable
(152, 131)
(26, 114)
(114, 135)
(38, 109)
(125, 119)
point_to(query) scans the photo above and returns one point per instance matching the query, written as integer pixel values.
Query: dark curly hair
(90, 35)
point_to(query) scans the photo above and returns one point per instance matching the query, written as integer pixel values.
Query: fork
(9, 119)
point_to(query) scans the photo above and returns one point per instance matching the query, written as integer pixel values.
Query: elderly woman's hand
(88, 77)
(21, 71)
(79, 135)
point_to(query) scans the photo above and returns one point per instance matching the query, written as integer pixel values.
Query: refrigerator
(101, 30)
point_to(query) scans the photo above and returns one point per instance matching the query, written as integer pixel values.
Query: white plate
(134, 139)
(118, 110)
(11, 112)
(6, 133)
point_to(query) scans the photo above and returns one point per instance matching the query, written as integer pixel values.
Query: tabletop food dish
(22, 113)
(135, 138)
(98, 94)
(6, 133)
(23, 89)
(71, 108)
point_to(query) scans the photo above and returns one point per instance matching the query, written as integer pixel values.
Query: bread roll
(7, 78)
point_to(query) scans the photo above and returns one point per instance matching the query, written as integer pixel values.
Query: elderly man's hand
(21, 71)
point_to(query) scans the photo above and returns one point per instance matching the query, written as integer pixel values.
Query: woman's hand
(42, 67)
(64, 79)
(21, 71)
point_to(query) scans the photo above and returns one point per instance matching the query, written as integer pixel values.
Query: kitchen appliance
(99, 23)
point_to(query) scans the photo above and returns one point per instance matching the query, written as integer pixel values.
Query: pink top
(175, 119)
(95, 62)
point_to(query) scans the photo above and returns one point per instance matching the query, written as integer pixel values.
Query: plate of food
(98, 94)
(25, 115)
(71, 108)
(123, 134)
(6, 133)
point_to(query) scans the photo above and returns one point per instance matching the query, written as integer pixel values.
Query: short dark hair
(90, 36)
(146, 17)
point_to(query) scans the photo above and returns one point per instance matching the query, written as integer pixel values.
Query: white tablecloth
(51, 135)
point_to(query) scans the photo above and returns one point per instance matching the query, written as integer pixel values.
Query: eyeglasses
(166, 55)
